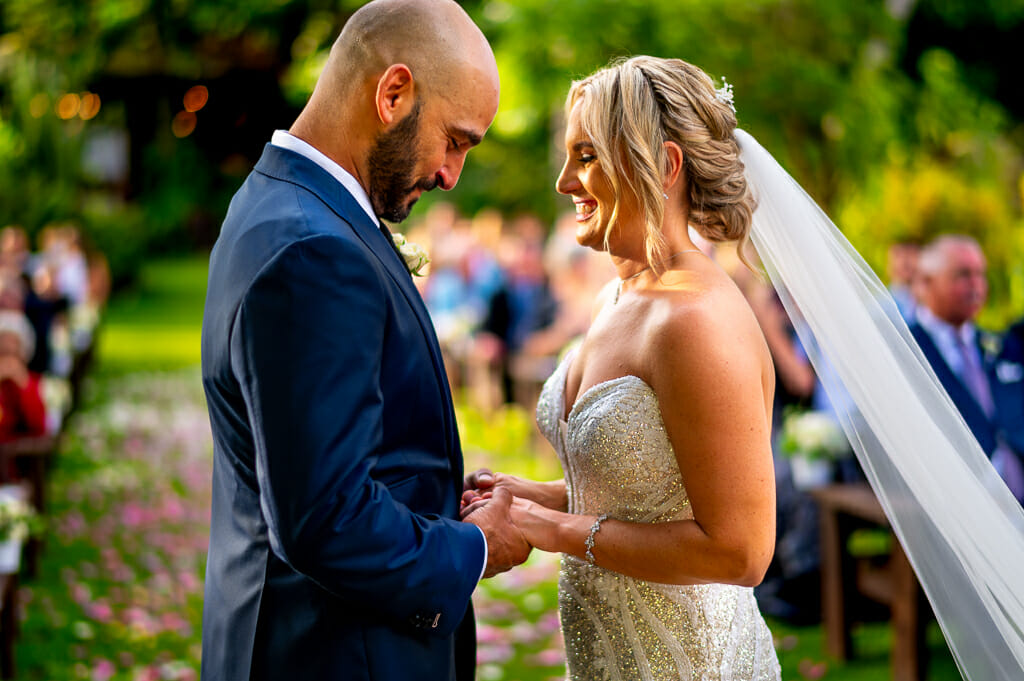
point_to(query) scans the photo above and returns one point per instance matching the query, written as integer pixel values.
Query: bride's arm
(479, 485)
(711, 374)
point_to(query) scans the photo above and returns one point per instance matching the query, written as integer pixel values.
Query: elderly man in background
(987, 387)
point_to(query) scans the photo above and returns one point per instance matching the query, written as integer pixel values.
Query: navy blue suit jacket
(1006, 382)
(335, 546)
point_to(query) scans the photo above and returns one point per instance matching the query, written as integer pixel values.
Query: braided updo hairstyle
(630, 109)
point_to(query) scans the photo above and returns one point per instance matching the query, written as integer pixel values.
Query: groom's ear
(674, 159)
(395, 94)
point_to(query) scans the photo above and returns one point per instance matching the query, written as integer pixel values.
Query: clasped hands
(489, 502)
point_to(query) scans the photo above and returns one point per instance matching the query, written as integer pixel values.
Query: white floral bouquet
(18, 520)
(813, 434)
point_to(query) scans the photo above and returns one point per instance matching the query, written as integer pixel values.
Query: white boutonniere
(415, 257)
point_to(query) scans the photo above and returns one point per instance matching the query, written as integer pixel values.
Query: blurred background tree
(139, 118)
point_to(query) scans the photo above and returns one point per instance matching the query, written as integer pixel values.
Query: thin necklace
(618, 287)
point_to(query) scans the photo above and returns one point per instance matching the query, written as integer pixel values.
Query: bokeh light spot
(68, 105)
(196, 98)
(183, 124)
(90, 105)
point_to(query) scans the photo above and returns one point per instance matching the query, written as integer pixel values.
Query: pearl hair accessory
(724, 94)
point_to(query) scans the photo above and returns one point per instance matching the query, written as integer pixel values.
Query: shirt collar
(938, 327)
(286, 140)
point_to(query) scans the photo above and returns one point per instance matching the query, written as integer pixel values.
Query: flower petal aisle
(119, 595)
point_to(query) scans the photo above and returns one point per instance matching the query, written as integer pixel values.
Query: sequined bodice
(621, 461)
(618, 460)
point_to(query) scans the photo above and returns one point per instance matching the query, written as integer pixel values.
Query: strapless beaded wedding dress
(618, 460)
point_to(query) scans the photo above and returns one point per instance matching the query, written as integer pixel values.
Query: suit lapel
(292, 167)
(961, 396)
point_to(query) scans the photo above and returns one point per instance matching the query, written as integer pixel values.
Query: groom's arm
(307, 347)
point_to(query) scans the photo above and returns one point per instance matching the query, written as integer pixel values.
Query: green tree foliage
(873, 106)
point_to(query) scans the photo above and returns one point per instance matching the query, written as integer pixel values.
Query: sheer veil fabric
(958, 522)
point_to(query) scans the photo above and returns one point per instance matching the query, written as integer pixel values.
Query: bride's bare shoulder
(708, 319)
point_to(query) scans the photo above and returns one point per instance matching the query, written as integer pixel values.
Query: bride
(662, 416)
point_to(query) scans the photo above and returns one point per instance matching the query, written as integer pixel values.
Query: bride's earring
(665, 195)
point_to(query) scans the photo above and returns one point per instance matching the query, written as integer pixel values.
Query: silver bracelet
(590, 537)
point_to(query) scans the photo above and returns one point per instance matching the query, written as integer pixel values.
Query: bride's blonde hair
(629, 109)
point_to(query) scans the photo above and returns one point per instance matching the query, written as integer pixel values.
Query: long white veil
(960, 526)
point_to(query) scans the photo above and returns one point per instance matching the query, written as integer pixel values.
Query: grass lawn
(156, 324)
(119, 595)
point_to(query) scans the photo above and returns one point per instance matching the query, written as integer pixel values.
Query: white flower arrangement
(18, 520)
(814, 435)
(415, 256)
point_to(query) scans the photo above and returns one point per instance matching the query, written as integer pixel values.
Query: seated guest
(901, 266)
(987, 388)
(42, 312)
(21, 404)
(14, 249)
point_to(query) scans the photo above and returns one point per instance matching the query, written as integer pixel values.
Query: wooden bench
(8, 623)
(845, 508)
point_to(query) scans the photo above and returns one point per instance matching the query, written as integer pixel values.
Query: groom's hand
(506, 546)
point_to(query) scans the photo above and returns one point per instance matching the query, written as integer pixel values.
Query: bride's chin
(587, 234)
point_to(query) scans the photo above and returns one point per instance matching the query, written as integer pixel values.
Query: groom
(335, 546)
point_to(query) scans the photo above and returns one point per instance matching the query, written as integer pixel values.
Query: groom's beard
(391, 165)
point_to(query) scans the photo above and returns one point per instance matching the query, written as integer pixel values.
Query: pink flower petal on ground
(102, 670)
(524, 633)
(81, 594)
(812, 670)
(546, 658)
(147, 674)
(172, 510)
(486, 633)
(549, 623)
(494, 653)
(100, 611)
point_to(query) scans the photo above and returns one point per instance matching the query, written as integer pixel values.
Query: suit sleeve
(307, 348)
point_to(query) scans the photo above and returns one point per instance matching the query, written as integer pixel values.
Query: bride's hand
(479, 480)
(479, 485)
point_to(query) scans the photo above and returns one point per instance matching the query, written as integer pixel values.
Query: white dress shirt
(286, 140)
(946, 338)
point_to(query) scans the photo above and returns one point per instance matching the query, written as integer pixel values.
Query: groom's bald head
(436, 39)
(409, 87)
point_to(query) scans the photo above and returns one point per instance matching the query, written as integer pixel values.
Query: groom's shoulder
(268, 219)
(268, 214)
